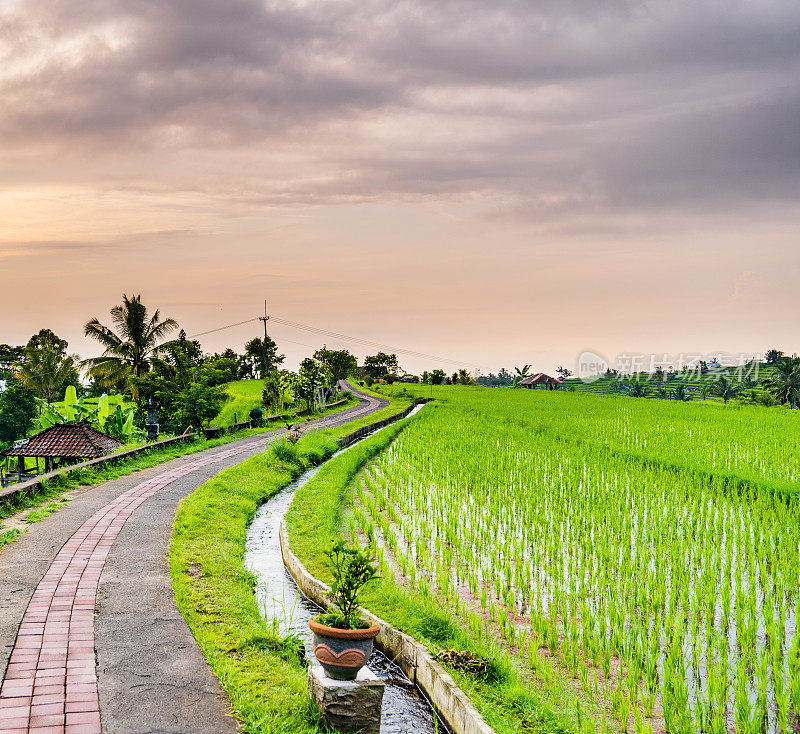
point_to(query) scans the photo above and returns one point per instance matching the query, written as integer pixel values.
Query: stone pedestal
(348, 705)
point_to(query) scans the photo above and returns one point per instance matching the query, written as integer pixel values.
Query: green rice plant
(653, 548)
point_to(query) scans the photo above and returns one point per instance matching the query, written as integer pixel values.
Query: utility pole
(265, 318)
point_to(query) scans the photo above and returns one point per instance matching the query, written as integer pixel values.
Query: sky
(492, 183)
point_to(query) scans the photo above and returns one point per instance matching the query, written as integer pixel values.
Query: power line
(222, 328)
(367, 342)
(346, 338)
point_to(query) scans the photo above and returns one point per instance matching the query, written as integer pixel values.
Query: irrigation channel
(405, 709)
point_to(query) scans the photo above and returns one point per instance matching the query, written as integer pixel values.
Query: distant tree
(763, 398)
(426, 377)
(680, 393)
(563, 372)
(454, 378)
(784, 383)
(464, 378)
(263, 359)
(704, 388)
(661, 390)
(46, 368)
(437, 377)
(773, 356)
(340, 362)
(501, 379)
(229, 366)
(9, 356)
(726, 389)
(521, 374)
(128, 350)
(187, 390)
(312, 376)
(272, 395)
(381, 364)
(18, 410)
(638, 390)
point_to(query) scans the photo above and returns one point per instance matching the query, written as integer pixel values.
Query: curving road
(90, 638)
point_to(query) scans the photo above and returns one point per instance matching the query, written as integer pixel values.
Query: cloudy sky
(497, 183)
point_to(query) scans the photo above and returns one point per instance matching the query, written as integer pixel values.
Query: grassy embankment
(54, 489)
(258, 668)
(504, 696)
(243, 396)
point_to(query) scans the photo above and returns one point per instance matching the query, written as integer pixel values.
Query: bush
(17, 411)
(285, 451)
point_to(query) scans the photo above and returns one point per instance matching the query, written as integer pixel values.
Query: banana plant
(521, 374)
(117, 422)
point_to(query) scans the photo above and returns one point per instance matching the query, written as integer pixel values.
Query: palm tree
(680, 393)
(784, 383)
(726, 389)
(638, 390)
(521, 374)
(128, 351)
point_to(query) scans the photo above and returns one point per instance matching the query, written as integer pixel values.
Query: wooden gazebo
(62, 443)
(540, 378)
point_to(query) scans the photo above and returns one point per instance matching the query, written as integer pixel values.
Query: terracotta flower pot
(342, 653)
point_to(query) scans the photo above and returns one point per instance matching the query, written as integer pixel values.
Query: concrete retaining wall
(372, 427)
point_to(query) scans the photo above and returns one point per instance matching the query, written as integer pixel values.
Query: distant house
(540, 379)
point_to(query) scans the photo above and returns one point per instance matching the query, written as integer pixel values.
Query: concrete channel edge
(451, 703)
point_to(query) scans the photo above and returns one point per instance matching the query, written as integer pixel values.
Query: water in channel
(405, 711)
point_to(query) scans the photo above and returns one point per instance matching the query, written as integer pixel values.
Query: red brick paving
(50, 685)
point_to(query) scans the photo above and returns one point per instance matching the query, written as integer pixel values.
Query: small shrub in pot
(342, 638)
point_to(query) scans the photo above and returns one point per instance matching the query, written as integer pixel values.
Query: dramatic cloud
(626, 103)
(558, 125)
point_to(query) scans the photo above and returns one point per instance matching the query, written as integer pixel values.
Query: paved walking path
(101, 646)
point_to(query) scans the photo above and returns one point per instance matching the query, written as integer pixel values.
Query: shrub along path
(89, 629)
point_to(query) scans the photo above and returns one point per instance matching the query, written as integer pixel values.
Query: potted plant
(342, 639)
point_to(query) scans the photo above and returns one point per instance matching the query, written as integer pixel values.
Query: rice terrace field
(641, 555)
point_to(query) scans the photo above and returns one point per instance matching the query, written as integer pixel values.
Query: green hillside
(244, 396)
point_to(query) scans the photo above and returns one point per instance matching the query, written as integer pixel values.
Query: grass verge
(55, 487)
(258, 667)
(505, 696)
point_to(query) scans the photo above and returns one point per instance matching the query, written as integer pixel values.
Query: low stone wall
(372, 427)
(291, 416)
(33, 485)
(451, 703)
(240, 426)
